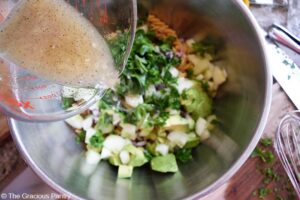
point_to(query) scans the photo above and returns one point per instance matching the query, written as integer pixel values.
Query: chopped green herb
(148, 155)
(263, 192)
(265, 156)
(266, 142)
(118, 47)
(80, 137)
(96, 141)
(183, 155)
(67, 102)
(161, 119)
(278, 197)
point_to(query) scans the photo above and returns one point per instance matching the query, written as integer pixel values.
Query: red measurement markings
(38, 87)
(15, 111)
(48, 96)
(15, 103)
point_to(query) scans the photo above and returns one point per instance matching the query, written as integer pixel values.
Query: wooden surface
(249, 178)
(4, 130)
(11, 163)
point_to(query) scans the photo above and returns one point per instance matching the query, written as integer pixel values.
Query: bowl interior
(241, 106)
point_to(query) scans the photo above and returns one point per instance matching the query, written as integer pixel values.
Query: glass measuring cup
(28, 97)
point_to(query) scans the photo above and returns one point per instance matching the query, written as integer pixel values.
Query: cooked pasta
(163, 31)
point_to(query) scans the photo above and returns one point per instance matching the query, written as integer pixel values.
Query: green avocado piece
(164, 164)
(176, 122)
(125, 171)
(151, 148)
(192, 142)
(197, 102)
(137, 156)
(115, 160)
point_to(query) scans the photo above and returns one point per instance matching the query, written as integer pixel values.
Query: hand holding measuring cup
(54, 51)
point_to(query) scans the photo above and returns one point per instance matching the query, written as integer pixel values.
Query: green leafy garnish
(266, 142)
(118, 47)
(96, 141)
(183, 155)
(67, 102)
(146, 66)
(263, 192)
(265, 156)
(80, 137)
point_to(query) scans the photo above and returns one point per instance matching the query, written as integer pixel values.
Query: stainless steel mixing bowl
(242, 106)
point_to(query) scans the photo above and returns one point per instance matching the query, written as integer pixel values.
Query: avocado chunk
(137, 156)
(192, 142)
(197, 102)
(125, 171)
(164, 164)
(114, 160)
(176, 122)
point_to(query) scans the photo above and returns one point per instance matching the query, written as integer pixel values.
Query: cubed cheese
(75, 121)
(134, 100)
(88, 134)
(174, 72)
(116, 118)
(87, 123)
(163, 149)
(201, 126)
(184, 83)
(200, 64)
(128, 131)
(114, 143)
(219, 76)
(178, 138)
(124, 157)
(105, 153)
(92, 157)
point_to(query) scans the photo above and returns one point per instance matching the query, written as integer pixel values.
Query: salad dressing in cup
(51, 48)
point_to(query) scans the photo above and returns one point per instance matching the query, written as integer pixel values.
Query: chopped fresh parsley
(80, 137)
(183, 155)
(265, 156)
(118, 47)
(263, 192)
(96, 141)
(147, 65)
(67, 102)
(266, 142)
(148, 155)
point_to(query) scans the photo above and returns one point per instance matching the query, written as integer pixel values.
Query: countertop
(11, 164)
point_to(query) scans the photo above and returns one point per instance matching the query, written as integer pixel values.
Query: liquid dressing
(51, 39)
